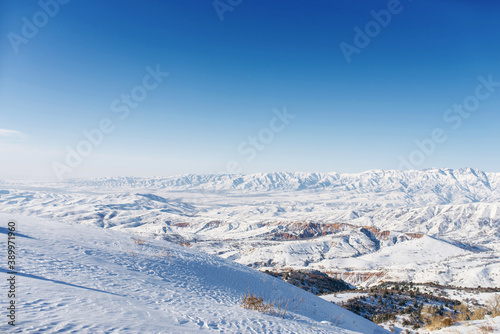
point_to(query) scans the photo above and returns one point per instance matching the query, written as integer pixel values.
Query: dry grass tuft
(139, 241)
(438, 322)
(484, 329)
(252, 302)
(478, 313)
(463, 312)
(164, 253)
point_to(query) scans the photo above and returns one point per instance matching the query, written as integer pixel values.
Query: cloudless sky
(227, 76)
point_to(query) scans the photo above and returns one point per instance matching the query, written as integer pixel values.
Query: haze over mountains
(469, 181)
(438, 225)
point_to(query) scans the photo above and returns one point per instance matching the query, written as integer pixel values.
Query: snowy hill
(353, 226)
(84, 279)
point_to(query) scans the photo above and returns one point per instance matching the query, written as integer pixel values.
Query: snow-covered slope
(354, 226)
(84, 279)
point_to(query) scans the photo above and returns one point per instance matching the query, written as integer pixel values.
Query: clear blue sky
(226, 77)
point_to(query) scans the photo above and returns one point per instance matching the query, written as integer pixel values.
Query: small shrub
(493, 306)
(252, 302)
(139, 241)
(478, 313)
(484, 329)
(337, 320)
(383, 318)
(463, 312)
(165, 253)
(281, 312)
(438, 322)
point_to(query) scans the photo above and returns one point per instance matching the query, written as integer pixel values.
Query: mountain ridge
(294, 180)
(295, 220)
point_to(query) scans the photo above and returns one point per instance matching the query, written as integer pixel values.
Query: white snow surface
(74, 278)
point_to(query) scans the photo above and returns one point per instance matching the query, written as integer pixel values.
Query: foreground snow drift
(81, 279)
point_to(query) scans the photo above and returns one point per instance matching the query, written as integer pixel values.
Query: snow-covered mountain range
(440, 186)
(438, 225)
